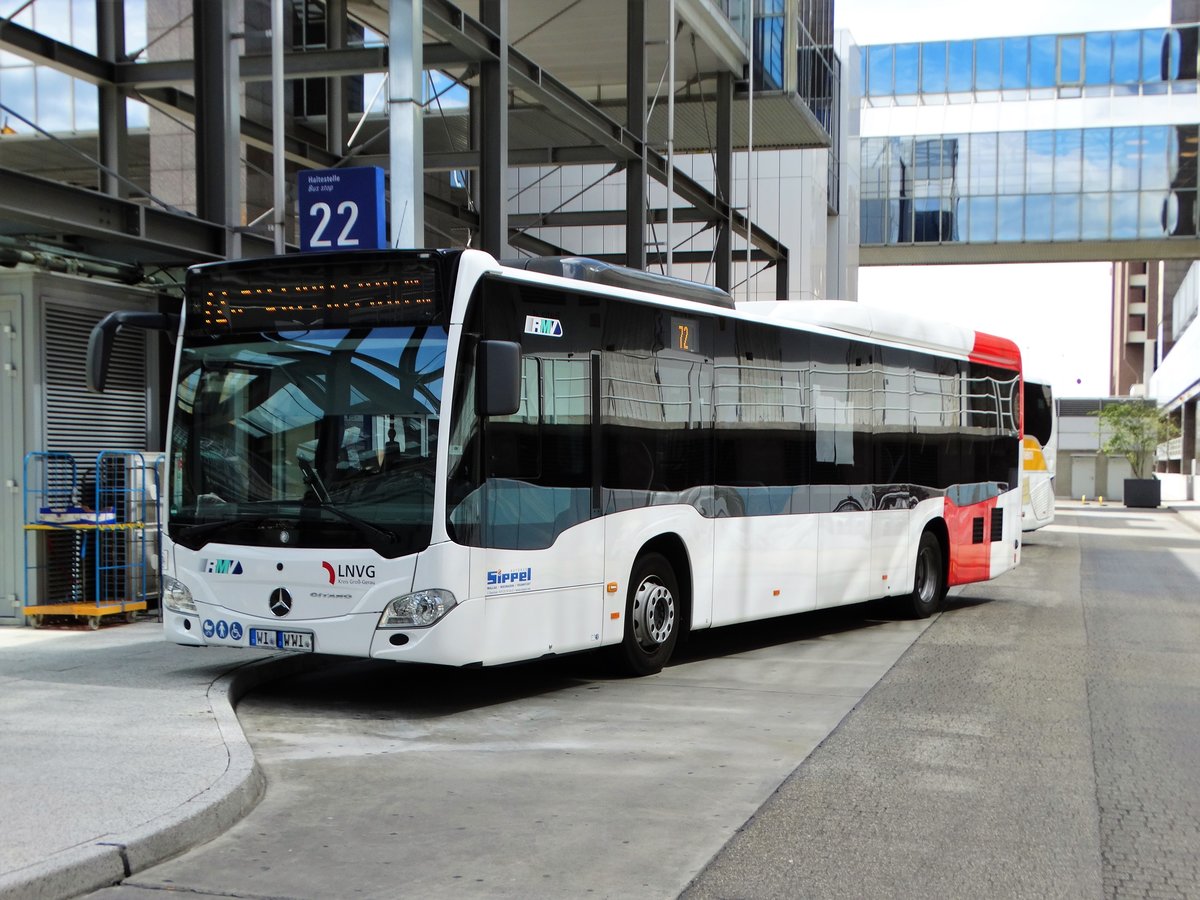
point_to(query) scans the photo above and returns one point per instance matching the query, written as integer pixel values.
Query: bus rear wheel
(929, 585)
(652, 614)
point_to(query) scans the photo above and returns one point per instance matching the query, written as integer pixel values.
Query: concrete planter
(1143, 493)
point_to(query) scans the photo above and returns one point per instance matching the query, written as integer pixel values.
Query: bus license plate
(281, 640)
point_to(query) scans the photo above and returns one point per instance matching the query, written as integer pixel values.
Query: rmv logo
(344, 570)
(222, 567)
(518, 576)
(544, 327)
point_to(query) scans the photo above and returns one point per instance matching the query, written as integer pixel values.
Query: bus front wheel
(929, 585)
(652, 613)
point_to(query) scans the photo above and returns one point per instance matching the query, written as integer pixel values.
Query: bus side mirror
(497, 378)
(100, 343)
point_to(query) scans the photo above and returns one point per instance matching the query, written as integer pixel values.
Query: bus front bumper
(455, 640)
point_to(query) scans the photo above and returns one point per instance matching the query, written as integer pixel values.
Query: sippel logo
(498, 578)
(349, 573)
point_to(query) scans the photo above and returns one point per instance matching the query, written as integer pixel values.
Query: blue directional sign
(341, 209)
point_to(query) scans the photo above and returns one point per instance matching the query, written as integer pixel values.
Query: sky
(1058, 313)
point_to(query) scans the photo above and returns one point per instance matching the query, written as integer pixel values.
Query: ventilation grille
(977, 530)
(77, 421)
(997, 524)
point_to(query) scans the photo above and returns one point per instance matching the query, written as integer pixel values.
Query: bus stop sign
(341, 209)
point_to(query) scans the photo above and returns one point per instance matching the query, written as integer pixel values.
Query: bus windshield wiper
(373, 532)
(375, 535)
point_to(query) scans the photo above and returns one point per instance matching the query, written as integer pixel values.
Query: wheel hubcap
(653, 613)
(925, 576)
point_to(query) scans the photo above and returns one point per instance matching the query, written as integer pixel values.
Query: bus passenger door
(541, 564)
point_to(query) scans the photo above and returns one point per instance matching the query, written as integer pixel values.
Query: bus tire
(929, 581)
(653, 608)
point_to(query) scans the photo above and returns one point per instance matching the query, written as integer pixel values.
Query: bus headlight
(177, 597)
(417, 610)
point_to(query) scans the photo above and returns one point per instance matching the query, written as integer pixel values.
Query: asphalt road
(1037, 739)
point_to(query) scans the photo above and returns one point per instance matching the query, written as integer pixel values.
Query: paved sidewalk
(119, 750)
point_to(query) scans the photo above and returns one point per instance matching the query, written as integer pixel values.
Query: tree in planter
(1136, 428)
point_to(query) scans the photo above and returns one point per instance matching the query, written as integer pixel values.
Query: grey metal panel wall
(80, 422)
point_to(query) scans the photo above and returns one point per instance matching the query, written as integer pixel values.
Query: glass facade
(51, 99)
(1105, 63)
(1136, 182)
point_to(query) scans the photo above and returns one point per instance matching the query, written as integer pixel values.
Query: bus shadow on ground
(357, 689)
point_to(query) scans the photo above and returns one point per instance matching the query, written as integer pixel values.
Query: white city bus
(430, 456)
(1039, 453)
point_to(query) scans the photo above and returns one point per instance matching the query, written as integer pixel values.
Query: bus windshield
(314, 438)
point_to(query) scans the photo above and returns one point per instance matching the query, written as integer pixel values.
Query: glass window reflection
(961, 62)
(981, 219)
(1045, 185)
(1037, 217)
(1010, 162)
(1010, 218)
(1127, 55)
(981, 164)
(1155, 174)
(933, 68)
(1066, 217)
(1150, 214)
(1016, 63)
(1039, 161)
(1124, 215)
(1126, 158)
(987, 64)
(906, 68)
(1068, 160)
(1097, 66)
(1070, 59)
(54, 96)
(1094, 216)
(1097, 159)
(880, 66)
(1152, 44)
(1043, 60)
(16, 88)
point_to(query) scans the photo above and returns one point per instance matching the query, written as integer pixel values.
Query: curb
(1189, 517)
(110, 858)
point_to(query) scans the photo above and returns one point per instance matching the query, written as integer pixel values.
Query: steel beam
(113, 127)
(126, 230)
(635, 123)
(335, 88)
(210, 41)
(724, 178)
(45, 51)
(492, 100)
(600, 217)
(682, 257)
(303, 146)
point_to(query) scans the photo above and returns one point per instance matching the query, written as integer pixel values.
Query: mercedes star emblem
(281, 602)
